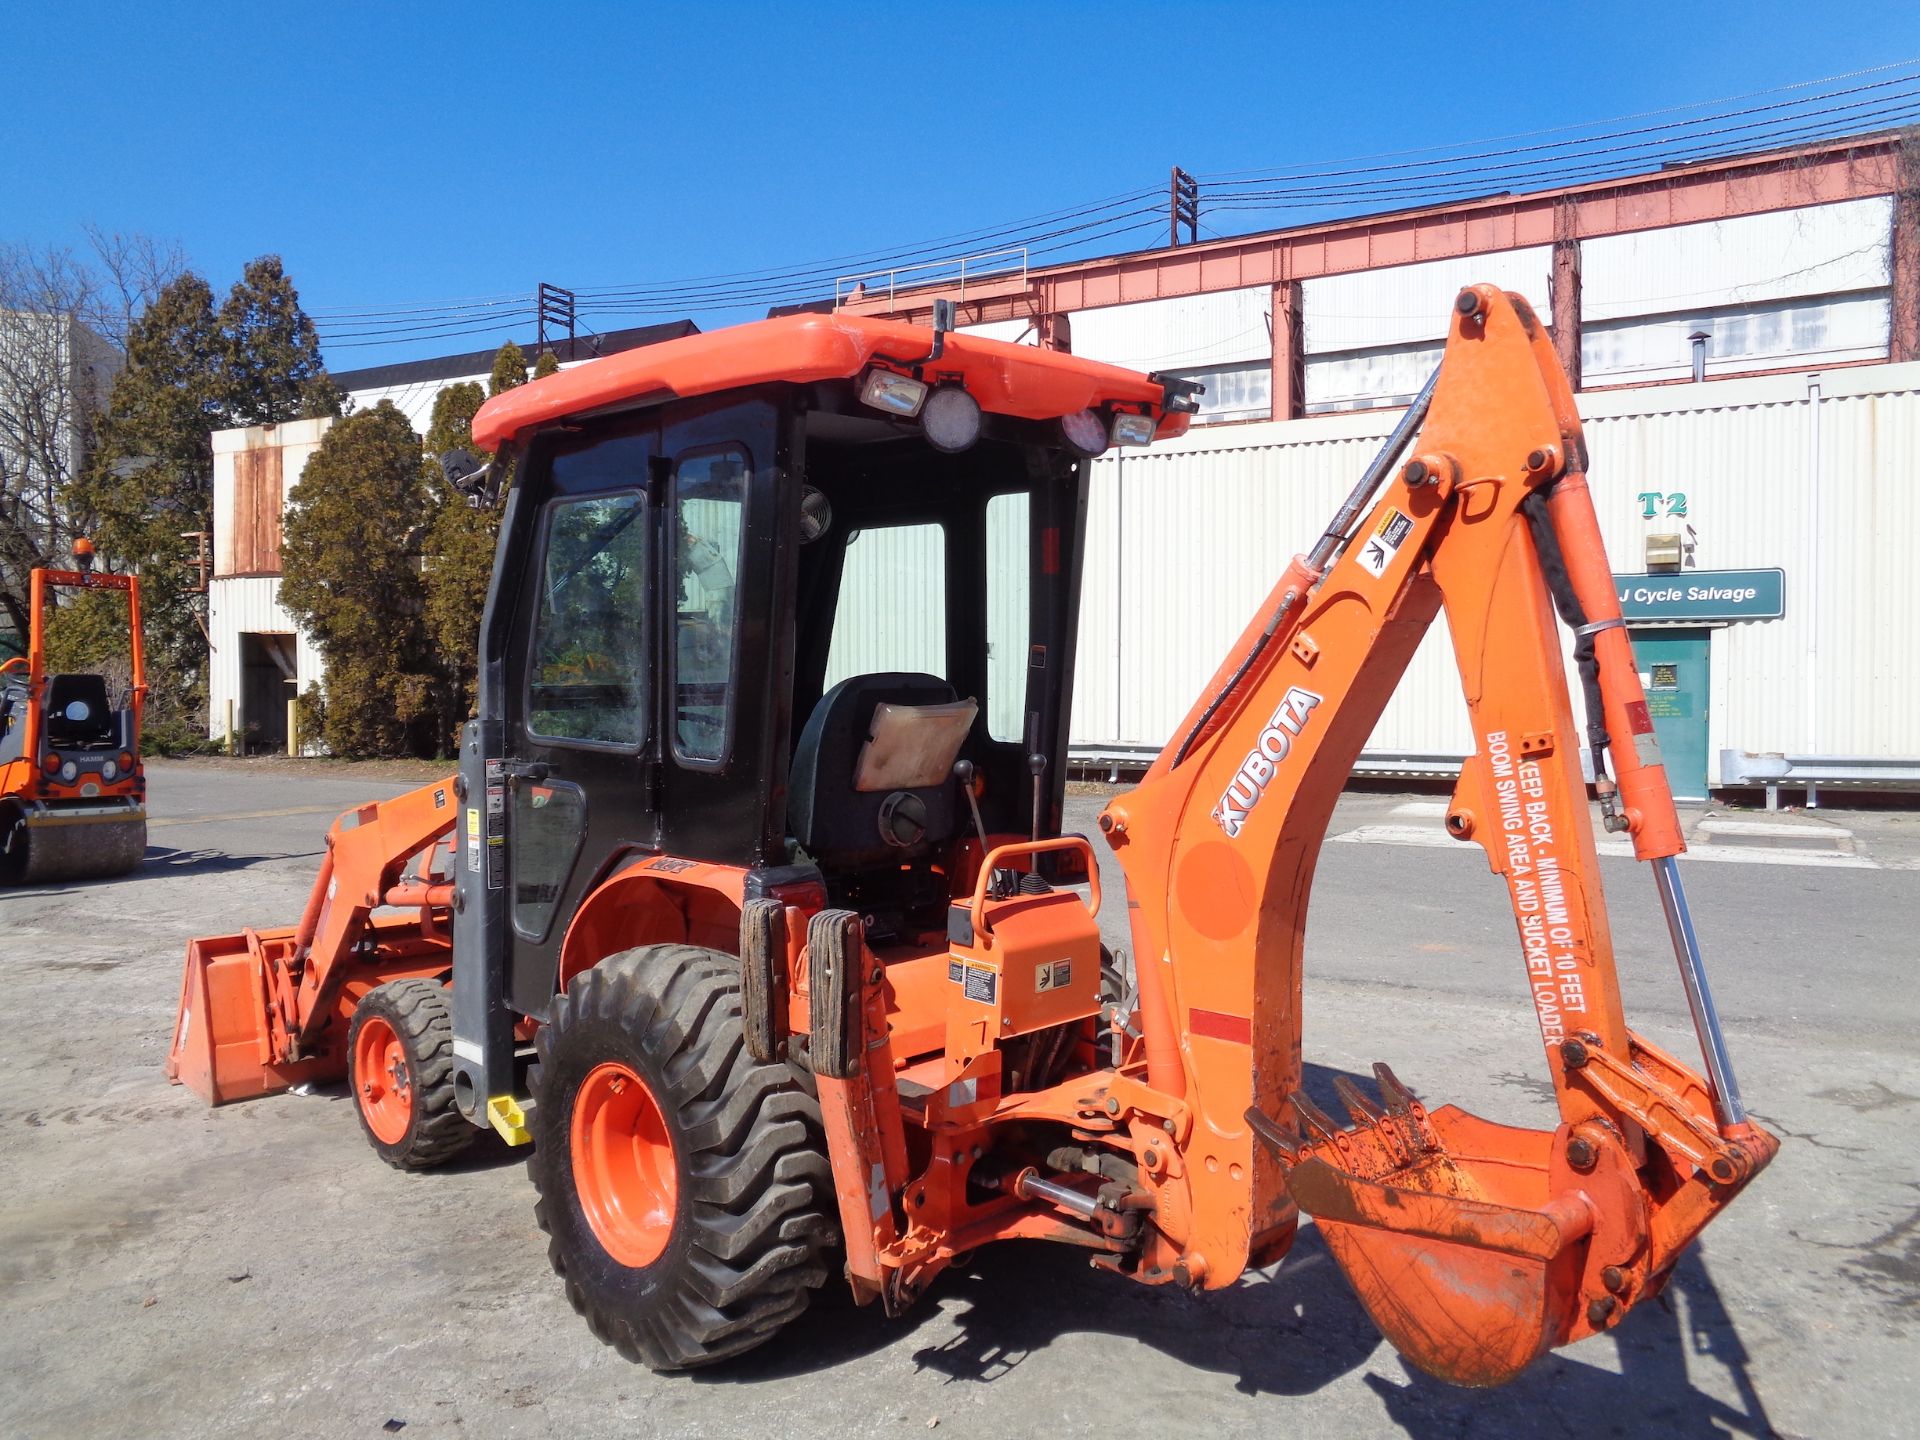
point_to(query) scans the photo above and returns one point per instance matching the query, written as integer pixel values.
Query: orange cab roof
(1019, 380)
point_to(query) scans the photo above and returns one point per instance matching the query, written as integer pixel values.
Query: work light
(951, 418)
(1085, 432)
(1131, 429)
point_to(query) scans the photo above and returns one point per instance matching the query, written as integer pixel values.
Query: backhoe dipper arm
(1490, 518)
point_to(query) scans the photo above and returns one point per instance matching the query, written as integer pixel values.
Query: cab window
(892, 610)
(587, 680)
(1009, 604)
(709, 505)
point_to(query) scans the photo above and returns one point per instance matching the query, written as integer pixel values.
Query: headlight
(108, 770)
(895, 394)
(1130, 429)
(951, 419)
(68, 771)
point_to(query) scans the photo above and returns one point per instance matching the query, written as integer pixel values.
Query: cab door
(582, 763)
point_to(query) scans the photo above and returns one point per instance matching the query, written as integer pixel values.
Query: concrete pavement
(169, 1270)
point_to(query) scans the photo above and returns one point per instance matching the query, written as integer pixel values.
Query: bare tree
(64, 320)
(131, 270)
(53, 374)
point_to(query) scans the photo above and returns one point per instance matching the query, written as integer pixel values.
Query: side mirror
(468, 476)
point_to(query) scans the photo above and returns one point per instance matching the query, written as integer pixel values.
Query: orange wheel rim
(382, 1081)
(623, 1164)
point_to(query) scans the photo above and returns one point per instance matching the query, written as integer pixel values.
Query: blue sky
(421, 152)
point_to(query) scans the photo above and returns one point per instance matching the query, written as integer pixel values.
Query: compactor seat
(78, 713)
(849, 803)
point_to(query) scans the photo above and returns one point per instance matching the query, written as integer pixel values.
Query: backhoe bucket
(223, 1041)
(1477, 1247)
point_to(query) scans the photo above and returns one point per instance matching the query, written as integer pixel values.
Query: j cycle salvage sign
(1703, 595)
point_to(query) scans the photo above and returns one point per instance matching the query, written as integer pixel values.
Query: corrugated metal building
(1814, 475)
(1757, 517)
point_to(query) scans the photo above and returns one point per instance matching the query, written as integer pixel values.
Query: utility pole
(1183, 206)
(555, 308)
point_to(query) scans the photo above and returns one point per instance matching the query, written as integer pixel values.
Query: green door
(1673, 668)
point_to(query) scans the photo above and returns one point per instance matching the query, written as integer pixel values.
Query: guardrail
(990, 265)
(1867, 772)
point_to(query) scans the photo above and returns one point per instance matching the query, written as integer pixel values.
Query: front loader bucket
(223, 1041)
(1477, 1247)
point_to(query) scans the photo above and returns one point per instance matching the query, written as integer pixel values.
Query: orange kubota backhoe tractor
(73, 795)
(749, 904)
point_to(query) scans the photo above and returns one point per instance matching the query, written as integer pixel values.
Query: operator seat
(853, 804)
(78, 714)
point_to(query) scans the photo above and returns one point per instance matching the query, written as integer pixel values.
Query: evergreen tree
(509, 369)
(547, 364)
(271, 351)
(350, 577)
(191, 370)
(460, 541)
(150, 479)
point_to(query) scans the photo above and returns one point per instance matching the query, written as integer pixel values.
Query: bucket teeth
(1280, 1135)
(1316, 1121)
(1363, 1110)
(1398, 1099)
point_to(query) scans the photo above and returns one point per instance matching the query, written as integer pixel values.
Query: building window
(1234, 392)
(1761, 336)
(1368, 379)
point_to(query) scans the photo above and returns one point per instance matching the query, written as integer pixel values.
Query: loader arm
(1474, 1246)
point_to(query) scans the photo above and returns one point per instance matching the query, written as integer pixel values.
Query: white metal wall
(1184, 332)
(1186, 538)
(247, 605)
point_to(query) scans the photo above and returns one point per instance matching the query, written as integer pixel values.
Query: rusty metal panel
(251, 545)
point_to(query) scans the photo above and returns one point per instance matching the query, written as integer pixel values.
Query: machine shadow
(210, 862)
(1288, 1330)
(1653, 1393)
(1292, 1329)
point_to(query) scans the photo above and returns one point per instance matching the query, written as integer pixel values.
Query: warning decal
(1379, 548)
(982, 984)
(1052, 975)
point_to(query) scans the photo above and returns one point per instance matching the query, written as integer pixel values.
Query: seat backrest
(78, 712)
(827, 811)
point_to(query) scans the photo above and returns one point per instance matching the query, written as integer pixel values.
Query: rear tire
(712, 1181)
(400, 1065)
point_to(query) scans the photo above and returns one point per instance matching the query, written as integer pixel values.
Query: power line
(1457, 171)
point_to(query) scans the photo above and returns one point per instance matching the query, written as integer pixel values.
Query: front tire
(400, 1065)
(684, 1186)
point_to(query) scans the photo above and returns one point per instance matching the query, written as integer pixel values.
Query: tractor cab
(792, 606)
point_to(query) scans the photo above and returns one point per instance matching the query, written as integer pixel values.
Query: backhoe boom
(1433, 1215)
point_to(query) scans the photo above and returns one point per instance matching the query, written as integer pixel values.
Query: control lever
(1037, 767)
(1001, 883)
(963, 772)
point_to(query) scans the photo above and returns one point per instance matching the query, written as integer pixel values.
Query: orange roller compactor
(73, 793)
(749, 905)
